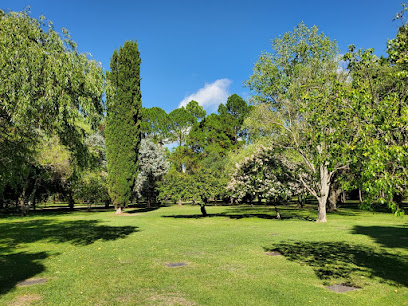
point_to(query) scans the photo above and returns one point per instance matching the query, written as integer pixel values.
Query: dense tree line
(310, 128)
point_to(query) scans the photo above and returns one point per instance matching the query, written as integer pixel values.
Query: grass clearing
(99, 258)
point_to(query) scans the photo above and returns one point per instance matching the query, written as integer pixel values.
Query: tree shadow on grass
(387, 236)
(266, 212)
(15, 267)
(347, 263)
(78, 232)
(18, 267)
(141, 210)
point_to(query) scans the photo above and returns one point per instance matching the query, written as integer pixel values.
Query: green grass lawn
(98, 258)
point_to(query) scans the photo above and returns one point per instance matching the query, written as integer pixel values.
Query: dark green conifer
(123, 122)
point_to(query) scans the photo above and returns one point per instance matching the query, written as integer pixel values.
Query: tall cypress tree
(123, 122)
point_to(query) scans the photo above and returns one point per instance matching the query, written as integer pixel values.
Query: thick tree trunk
(203, 211)
(106, 203)
(71, 202)
(321, 217)
(180, 203)
(119, 210)
(324, 193)
(334, 195)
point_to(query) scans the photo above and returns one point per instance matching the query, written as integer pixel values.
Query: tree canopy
(47, 88)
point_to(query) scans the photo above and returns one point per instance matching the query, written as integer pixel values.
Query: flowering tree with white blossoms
(153, 165)
(264, 174)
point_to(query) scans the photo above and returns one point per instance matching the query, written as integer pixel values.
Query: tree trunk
(179, 202)
(21, 200)
(119, 210)
(324, 193)
(334, 195)
(397, 198)
(301, 200)
(321, 217)
(1, 203)
(71, 202)
(203, 211)
(360, 195)
(106, 203)
(277, 212)
(31, 198)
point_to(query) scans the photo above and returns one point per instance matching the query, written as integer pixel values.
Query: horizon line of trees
(311, 129)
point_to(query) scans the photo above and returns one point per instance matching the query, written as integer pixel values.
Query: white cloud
(211, 95)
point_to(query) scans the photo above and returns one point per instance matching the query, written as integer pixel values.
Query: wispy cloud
(211, 95)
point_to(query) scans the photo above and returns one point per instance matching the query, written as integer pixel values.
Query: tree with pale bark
(297, 91)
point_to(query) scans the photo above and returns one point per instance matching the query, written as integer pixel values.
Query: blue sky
(205, 50)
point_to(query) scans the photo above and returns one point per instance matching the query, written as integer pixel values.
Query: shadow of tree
(17, 267)
(78, 232)
(266, 212)
(346, 262)
(387, 236)
(141, 209)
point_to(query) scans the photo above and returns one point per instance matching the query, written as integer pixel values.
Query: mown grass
(91, 258)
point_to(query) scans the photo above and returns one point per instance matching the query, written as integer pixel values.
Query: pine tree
(123, 123)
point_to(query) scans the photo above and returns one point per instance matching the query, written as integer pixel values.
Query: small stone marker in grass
(31, 281)
(175, 264)
(341, 288)
(274, 253)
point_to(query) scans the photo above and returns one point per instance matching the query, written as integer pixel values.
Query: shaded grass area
(347, 263)
(386, 236)
(91, 258)
(261, 212)
(18, 266)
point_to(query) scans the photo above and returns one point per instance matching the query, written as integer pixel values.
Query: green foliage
(173, 186)
(155, 124)
(233, 114)
(378, 100)
(275, 74)
(195, 109)
(123, 122)
(198, 187)
(181, 122)
(297, 89)
(210, 135)
(47, 87)
(91, 188)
